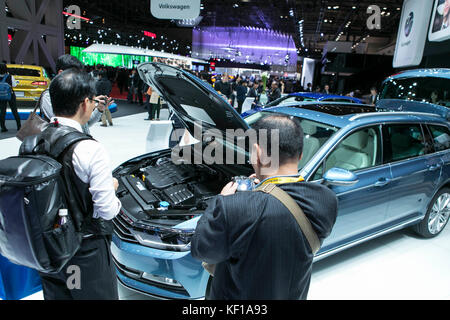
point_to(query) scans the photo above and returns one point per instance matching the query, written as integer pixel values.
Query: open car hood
(192, 100)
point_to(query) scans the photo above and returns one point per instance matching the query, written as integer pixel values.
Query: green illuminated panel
(107, 59)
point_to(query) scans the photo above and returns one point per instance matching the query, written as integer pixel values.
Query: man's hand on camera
(229, 189)
(102, 101)
(256, 180)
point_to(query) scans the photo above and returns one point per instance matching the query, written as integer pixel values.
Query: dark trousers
(148, 106)
(154, 110)
(13, 107)
(97, 271)
(239, 108)
(132, 94)
(121, 86)
(140, 97)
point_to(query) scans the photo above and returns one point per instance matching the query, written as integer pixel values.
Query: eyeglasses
(97, 102)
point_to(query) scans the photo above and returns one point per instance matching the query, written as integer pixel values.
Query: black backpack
(33, 188)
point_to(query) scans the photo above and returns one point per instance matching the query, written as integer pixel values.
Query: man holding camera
(259, 249)
(63, 63)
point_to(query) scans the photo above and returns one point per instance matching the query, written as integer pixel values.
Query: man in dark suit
(275, 92)
(373, 96)
(258, 247)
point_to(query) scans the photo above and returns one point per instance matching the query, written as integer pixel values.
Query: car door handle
(382, 182)
(434, 167)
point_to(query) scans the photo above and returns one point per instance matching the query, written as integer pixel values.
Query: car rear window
(406, 142)
(441, 137)
(427, 89)
(24, 72)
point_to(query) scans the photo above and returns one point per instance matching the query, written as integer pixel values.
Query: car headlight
(162, 238)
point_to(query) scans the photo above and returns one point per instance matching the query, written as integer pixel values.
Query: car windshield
(24, 72)
(316, 134)
(433, 90)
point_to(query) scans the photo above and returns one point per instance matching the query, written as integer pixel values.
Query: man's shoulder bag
(34, 124)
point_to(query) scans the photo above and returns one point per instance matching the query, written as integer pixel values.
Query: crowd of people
(234, 88)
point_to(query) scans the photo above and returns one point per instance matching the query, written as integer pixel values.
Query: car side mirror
(340, 177)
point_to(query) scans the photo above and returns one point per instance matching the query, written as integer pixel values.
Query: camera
(244, 183)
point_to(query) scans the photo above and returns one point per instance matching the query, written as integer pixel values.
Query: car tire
(437, 215)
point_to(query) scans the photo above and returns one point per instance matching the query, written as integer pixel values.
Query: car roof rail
(401, 113)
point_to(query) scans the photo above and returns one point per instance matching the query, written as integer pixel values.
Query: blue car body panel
(175, 265)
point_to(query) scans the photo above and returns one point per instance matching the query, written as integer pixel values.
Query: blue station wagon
(389, 170)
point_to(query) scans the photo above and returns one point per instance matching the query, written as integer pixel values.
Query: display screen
(107, 59)
(440, 22)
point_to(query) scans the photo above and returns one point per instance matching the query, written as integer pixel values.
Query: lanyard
(283, 180)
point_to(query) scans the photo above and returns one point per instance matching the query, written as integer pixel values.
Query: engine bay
(165, 193)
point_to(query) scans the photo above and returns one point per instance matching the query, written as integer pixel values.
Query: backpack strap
(66, 141)
(296, 211)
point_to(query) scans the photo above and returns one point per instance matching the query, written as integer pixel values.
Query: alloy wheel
(439, 214)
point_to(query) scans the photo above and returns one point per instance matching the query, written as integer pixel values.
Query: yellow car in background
(31, 81)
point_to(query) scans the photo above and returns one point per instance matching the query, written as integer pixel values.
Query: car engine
(160, 189)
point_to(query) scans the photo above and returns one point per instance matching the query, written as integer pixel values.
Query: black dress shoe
(4, 130)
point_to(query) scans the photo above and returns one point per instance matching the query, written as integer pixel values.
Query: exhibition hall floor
(396, 266)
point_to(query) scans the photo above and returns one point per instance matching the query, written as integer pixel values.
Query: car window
(288, 100)
(339, 100)
(24, 72)
(440, 136)
(406, 141)
(285, 100)
(360, 150)
(425, 89)
(315, 136)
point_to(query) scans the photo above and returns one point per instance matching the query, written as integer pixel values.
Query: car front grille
(122, 229)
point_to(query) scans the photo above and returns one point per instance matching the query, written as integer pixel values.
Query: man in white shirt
(73, 98)
(63, 63)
